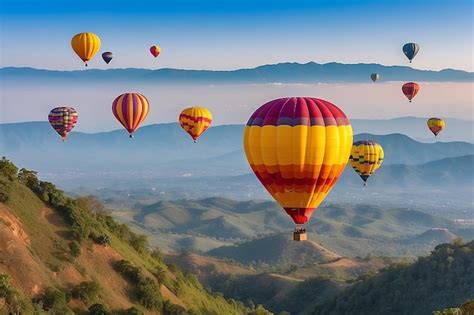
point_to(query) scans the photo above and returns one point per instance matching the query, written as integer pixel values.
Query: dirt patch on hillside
(10, 221)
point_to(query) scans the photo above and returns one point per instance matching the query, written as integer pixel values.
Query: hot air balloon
(85, 45)
(63, 120)
(374, 76)
(436, 125)
(107, 56)
(195, 120)
(410, 50)
(155, 50)
(366, 157)
(410, 90)
(130, 109)
(298, 147)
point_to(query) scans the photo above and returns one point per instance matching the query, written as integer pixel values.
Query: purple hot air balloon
(63, 120)
(107, 56)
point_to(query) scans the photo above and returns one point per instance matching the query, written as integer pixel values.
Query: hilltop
(62, 255)
(289, 72)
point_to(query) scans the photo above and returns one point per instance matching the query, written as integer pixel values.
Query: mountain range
(310, 72)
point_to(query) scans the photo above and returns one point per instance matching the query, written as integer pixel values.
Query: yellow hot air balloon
(366, 157)
(86, 45)
(195, 120)
(436, 125)
(298, 147)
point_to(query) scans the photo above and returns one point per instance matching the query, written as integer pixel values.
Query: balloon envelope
(366, 157)
(410, 90)
(298, 147)
(436, 125)
(374, 76)
(130, 109)
(63, 120)
(155, 50)
(195, 121)
(107, 56)
(85, 45)
(410, 50)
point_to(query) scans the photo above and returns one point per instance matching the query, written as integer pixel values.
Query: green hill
(59, 254)
(442, 280)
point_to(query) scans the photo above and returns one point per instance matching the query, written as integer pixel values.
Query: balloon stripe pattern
(366, 157)
(410, 90)
(436, 125)
(130, 109)
(410, 50)
(298, 148)
(195, 121)
(63, 120)
(86, 45)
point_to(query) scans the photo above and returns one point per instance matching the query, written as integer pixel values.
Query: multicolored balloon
(155, 50)
(195, 121)
(298, 147)
(436, 125)
(130, 109)
(107, 56)
(63, 120)
(374, 76)
(410, 50)
(86, 45)
(366, 157)
(410, 90)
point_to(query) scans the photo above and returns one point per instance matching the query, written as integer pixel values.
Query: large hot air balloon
(107, 56)
(366, 157)
(436, 125)
(410, 50)
(63, 120)
(155, 50)
(410, 90)
(130, 109)
(195, 120)
(298, 147)
(85, 45)
(374, 76)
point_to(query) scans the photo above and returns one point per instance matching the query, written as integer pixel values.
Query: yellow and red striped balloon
(130, 109)
(86, 45)
(436, 125)
(366, 157)
(298, 148)
(195, 121)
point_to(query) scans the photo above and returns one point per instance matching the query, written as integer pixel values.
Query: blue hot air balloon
(410, 50)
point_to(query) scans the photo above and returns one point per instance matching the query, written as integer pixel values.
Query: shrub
(8, 169)
(98, 309)
(74, 249)
(149, 294)
(86, 291)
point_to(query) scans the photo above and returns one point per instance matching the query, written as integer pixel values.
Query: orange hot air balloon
(298, 147)
(436, 125)
(85, 45)
(195, 121)
(130, 109)
(410, 90)
(155, 50)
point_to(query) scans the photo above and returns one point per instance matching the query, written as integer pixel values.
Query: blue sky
(237, 34)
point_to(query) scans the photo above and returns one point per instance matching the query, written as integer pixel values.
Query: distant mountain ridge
(288, 72)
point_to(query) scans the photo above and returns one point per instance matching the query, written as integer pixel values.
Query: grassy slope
(48, 259)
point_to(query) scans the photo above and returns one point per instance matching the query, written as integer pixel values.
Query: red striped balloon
(63, 120)
(410, 90)
(130, 109)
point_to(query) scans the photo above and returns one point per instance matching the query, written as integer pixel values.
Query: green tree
(86, 291)
(74, 249)
(8, 169)
(139, 242)
(29, 178)
(98, 309)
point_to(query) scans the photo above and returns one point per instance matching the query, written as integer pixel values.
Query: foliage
(442, 280)
(8, 169)
(74, 249)
(98, 309)
(86, 291)
(54, 300)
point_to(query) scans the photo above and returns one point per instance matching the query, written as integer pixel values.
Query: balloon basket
(300, 236)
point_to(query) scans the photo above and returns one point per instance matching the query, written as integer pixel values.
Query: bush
(149, 295)
(98, 309)
(139, 242)
(74, 249)
(53, 299)
(128, 270)
(86, 291)
(173, 309)
(102, 239)
(131, 311)
(8, 169)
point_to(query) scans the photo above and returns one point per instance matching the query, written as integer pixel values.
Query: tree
(86, 291)
(98, 309)
(139, 242)
(74, 249)
(8, 169)
(29, 178)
